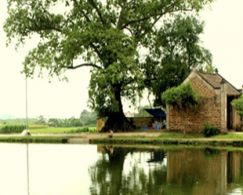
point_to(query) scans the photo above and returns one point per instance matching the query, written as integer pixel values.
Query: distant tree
(53, 122)
(41, 120)
(88, 118)
(209, 68)
(107, 34)
(69, 122)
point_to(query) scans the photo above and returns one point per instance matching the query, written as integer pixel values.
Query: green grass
(176, 138)
(61, 130)
(173, 135)
(231, 135)
(43, 129)
(64, 135)
(176, 135)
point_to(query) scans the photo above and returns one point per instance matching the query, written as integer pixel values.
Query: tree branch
(84, 65)
(120, 18)
(157, 15)
(82, 11)
(93, 4)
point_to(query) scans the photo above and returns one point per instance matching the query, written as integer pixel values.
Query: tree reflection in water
(109, 177)
(183, 172)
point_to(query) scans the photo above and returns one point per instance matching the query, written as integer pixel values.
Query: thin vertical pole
(28, 179)
(26, 104)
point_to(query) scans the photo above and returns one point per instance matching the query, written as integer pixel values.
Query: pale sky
(223, 36)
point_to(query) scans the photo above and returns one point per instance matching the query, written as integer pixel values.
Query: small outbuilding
(216, 95)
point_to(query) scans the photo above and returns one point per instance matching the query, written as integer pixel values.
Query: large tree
(107, 35)
(174, 51)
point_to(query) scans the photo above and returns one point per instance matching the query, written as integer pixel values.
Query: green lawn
(61, 130)
(230, 135)
(173, 135)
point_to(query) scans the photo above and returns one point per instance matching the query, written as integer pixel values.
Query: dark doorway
(229, 112)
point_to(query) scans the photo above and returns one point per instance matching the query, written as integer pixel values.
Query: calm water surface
(37, 169)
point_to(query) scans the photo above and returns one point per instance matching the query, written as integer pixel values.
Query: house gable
(213, 82)
(202, 87)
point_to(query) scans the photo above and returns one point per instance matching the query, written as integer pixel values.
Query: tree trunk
(241, 123)
(117, 120)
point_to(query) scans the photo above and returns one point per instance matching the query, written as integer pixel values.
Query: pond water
(52, 169)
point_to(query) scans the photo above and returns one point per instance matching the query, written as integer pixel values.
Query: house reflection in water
(183, 172)
(204, 172)
(234, 168)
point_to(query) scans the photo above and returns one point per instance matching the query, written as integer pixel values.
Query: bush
(238, 105)
(12, 129)
(82, 130)
(209, 130)
(181, 96)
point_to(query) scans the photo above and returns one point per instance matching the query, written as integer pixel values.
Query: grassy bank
(132, 138)
(34, 139)
(195, 142)
(62, 130)
(170, 138)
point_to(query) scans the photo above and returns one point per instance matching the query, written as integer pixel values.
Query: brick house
(215, 105)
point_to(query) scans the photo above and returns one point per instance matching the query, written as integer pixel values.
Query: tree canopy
(108, 36)
(174, 51)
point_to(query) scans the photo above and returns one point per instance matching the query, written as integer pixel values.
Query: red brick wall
(194, 119)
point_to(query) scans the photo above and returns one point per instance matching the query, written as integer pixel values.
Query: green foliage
(107, 35)
(209, 130)
(41, 120)
(88, 118)
(238, 105)
(82, 130)
(70, 122)
(12, 128)
(173, 53)
(209, 68)
(181, 96)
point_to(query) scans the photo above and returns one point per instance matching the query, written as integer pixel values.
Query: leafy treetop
(173, 53)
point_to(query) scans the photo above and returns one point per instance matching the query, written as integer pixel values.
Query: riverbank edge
(122, 139)
(170, 141)
(33, 139)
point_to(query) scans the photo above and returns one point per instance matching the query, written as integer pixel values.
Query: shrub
(209, 130)
(238, 105)
(12, 128)
(82, 130)
(181, 96)
(209, 152)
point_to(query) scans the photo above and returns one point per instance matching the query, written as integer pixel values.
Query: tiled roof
(215, 80)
